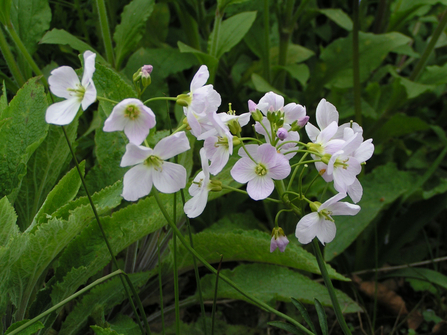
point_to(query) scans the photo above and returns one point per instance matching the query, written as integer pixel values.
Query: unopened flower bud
(215, 186)
(257, 115)
(326, 158)
(282, 133)
(235, 127)
(303, 121)
(183, 100)
(314, 206)
(251, 106)
(236, 141)
(146, 71)
(279, 240)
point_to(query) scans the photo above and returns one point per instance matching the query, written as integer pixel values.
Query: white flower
(151, 167)
(65, 83)
(320, 223)
(199, 189)
(132, 116)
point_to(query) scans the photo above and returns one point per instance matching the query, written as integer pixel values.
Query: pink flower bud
(282, 133)
(303, 121)
(279, 240)
(251, 106)
(146, 70)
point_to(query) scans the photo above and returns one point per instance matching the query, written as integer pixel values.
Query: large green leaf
(27, 331)
(253, 246)
(427, 275)
(8, 218)
(295, 54)
(339, 17)
(62, 37)
(380, 188)
(129, 32)
(44, 168)
(30, 18)
(20, 136)
(102, 297)
(399, 125)
(373, 49)
(232, 31)
(271, 283)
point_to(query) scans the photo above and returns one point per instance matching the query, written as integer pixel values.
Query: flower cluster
(337, 151)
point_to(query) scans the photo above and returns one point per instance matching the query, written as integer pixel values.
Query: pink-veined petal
(326, 114)
(135, 154)
(89, 67)
(63, 112)
(271, 101)
(267, 154)
(281, 169)
(219, 159)
(252, 150)
(172, 145)
(137, 182)
(62, 79)
(293, 112)
(327, 133)
(200, 78)
(332, 201)
(326, 231)
(260, 187)
(244, 170)
(170, 178)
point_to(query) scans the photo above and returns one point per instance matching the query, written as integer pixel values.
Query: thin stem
(224, 278)
(356, 63)
(105, 30)
(330, 288)
(63, 302)
(108, 100)
(176, 290)
(10, 61)
(25, 53)
(115, 263)
(81, 20)
(160, 287)
(160, 98)
(306, 162)
(216, 285)
(431, 45)
(266, 58)
(216, 30)
(245, 192)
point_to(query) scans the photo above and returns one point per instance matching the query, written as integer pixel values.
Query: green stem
(216, 285)
(176, 290)
(115, 263)
(245, 192)
(160, 98)
(63, 302)
(356, 63)
(266, 58)
(330, 288)
(431, 45)
(105, 31)
(25, 53)
(215, 34)
(108, 100)
(224, 278)
(160, 287)
(81, 20)
(10, 61)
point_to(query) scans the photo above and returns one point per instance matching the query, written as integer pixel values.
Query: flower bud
(251, 106)
(215, 186)
(314, 206)
(282, 133)
(235, 127)
(183, 100)
(257, 115)
(236, 141)
(303, 121)
(279, 240)
(326, 158)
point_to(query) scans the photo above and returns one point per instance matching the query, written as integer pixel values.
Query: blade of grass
(216, 286)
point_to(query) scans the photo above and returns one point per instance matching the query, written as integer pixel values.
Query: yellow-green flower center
(326, 214)
(260, 170)
(155, 162)
(132, 112)
(78, 92)
(341, 163)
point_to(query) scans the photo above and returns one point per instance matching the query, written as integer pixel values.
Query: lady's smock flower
(152, 169)
(64, 83)
(320, 223)
(267, 165)
(132, 116)
(279, 240)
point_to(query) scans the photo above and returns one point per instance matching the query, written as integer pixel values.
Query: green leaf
(5, 11)
(203, 58)
(254, 246)
(31, 19)
(304, 314)
(271, 283)
(62, 37)
(427, 275)
(232, 31)
(130, 31)
(299, 72)
(65, 191)
(286, 326)
(44, 168)
(261, 85)
(295, 54)
(103, 331)
(8, 218)
(322, 318)
(20, 136)
(399, 125)
(434, 75)
(123, 324)
(380, 188)
(372, 48)
(32, 329)
(222, 4)
(339, 17)
(102, 297)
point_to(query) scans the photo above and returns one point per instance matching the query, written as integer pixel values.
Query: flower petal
(63, 112)
(281, 169)
(355, 191)
(312, 132)
(135, 154)
(170, 178)
(260, 187)
(326, 114)
(137, 182)
(89, 67)
(307, 228)
(200, 78)
(172, 145)
(89, 96)
(244, 170)
(62, 79)
(196, 205)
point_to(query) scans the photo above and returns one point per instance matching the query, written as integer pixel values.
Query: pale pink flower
(64, 83)
(279, 240)
(132, 116)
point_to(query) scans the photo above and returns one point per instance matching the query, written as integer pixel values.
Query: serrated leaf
(339, 17)
(32, 329)
(232, 31)
(110, 146)
(104, 331)
(104, 296)
(322, 318)
(65, 191)
(21, 135)
(251, 246)
(380, 188)
(8, 226)
(125, 325)
(286, 326)
(62, 37)
(434, 75)
(30, 18)
(271, 283)
(372, 49)
(129, 32)
(43, 171)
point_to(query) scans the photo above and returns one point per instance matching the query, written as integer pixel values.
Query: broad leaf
(20, 136)
(339, 17)
(295, 54)
(129, 32)
(271, 283)
(32, 329)
(261, 85)
(203, 58)
(399, 125)
(8, 218)
(380, 188)
(427, 275)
